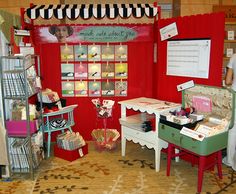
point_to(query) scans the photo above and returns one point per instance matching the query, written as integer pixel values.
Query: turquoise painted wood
(66, 113)
(210, 144)
(207, 146)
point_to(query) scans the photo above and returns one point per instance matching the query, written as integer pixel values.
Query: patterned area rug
(109, 173)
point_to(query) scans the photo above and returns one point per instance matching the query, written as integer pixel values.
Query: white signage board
(168, 31)
(188, 58)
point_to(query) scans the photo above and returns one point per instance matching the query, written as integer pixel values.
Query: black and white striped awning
(86, 11)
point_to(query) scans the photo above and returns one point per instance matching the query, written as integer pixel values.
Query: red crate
(70, 155)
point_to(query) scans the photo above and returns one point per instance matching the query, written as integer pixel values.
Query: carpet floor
(107, 172)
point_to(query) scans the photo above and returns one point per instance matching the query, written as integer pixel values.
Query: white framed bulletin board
(188, 57)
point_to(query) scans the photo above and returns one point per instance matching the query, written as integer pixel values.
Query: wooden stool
(201, 162)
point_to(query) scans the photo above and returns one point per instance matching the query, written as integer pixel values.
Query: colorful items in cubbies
(104, 138)
(94, 70)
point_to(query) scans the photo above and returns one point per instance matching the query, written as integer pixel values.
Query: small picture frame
(229, 52)
(230, 35)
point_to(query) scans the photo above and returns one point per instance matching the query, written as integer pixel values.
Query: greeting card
(121, 70)
(81, 52)
(121, 88)
(68, 88)
(120, 52)
(202, 104)
(108, 88)
(81, 71)
(94, 70)
(94, 88)
(108, 70)
(81, 88)
(67, 53)
(67, 71)
(108, 52)
(94, 53)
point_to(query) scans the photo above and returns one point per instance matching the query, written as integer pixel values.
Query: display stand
(19, 81)
(104, 121)
(105, 139)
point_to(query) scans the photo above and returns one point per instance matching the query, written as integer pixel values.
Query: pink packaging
(19, 128)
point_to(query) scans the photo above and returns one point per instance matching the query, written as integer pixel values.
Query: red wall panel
(145, 78)
(140, 83)
(191, 27)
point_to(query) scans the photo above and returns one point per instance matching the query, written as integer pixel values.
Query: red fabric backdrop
(140, 80)
(191, 27)
(145, 78)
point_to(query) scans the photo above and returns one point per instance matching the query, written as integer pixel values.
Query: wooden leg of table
(157, 158)
(169, 155)
(219, 164)
(202, 160)
(123, 144)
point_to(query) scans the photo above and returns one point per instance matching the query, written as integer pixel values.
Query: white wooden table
(136, 134)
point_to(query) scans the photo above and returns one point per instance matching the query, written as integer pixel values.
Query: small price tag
(81, 152)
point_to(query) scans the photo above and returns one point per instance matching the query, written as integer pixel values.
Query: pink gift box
(19, 128)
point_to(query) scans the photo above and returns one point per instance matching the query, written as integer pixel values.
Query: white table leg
(157, 158)
(123, 145)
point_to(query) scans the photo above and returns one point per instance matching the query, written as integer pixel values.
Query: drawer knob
(162, 126)
(172, 134)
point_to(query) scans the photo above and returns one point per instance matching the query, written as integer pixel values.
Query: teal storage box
(207, 146)
(222, 105)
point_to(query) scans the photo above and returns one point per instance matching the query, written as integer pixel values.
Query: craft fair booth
(79, 74)
(112, 60)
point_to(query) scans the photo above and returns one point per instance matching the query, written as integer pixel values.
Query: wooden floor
(107, 172)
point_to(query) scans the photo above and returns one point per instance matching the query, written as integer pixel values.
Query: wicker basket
(110, 143)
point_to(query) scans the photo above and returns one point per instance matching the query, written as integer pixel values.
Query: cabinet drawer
(207, 146)
(150, 136)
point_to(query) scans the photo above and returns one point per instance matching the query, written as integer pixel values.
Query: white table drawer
(138, 134)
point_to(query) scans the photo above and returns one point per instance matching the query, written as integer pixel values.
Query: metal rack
(18, 81)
